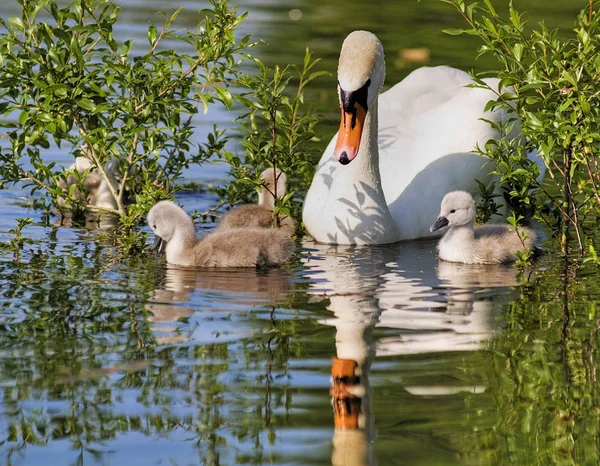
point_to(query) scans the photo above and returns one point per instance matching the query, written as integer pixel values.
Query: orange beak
(346, 406)
(351, 128)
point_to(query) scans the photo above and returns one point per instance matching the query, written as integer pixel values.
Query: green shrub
(65, 79)
(557, 99)
(276, 131)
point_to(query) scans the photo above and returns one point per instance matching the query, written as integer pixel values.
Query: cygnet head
(82, 164)
(457, 210)
(361, 72)
(265, 197)
(165, 219)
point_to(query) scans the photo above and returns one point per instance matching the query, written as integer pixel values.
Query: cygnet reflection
(192, 303)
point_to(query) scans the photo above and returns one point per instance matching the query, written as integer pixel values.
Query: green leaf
(224, 96)
(152, 34)
(86, 104)
(23, 117)
(76, 51)
(16, 23)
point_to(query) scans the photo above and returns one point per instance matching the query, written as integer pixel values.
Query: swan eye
(154, 227)
(452, 211)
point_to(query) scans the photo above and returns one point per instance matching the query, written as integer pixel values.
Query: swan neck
(367, 159)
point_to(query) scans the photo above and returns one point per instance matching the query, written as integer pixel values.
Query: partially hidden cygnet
(261, 215)
(237, 247)
(97, 191)
(465, 243)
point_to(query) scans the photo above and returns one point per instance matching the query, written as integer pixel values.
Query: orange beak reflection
(351, 128)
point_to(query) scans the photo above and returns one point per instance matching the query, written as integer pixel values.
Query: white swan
(467, 244)
(382, 177)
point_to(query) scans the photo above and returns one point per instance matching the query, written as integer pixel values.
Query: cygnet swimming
(261, 215)
(465, 243)
(238, 247)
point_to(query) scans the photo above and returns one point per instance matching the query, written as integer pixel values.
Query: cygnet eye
(452, 211)
(154, 227)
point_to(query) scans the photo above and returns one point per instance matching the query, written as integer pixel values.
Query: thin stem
(102, 210)
(130, 157)
(89, 151)
(565, 203)
(30, 177)
(591, 175)
(576, 221)
(273, 116)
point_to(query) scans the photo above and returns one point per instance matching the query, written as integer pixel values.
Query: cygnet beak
(159, 244)
(441, 222)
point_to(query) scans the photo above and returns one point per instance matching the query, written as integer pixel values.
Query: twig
(102, 210)
(30, 177)
(273, 114)
(575, 220)
(100, 167)
(591, 175)
(130, 157)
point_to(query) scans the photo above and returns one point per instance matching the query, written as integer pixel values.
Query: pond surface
(112, 361)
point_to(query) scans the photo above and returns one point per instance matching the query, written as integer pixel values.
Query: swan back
(243, 247)
(261, 215)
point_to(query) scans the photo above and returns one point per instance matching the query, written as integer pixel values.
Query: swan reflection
(432, 305)
(420, 304)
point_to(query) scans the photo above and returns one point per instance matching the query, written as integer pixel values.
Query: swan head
(165, 218)
(361, 72)
(458, 209)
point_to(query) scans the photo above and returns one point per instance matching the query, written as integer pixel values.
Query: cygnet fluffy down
(238, 247)
(261, 215)
(465, 243)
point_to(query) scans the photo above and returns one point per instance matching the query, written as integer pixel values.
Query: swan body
(239, 247)
(467, 244)
(383, 175)
(261, 215)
